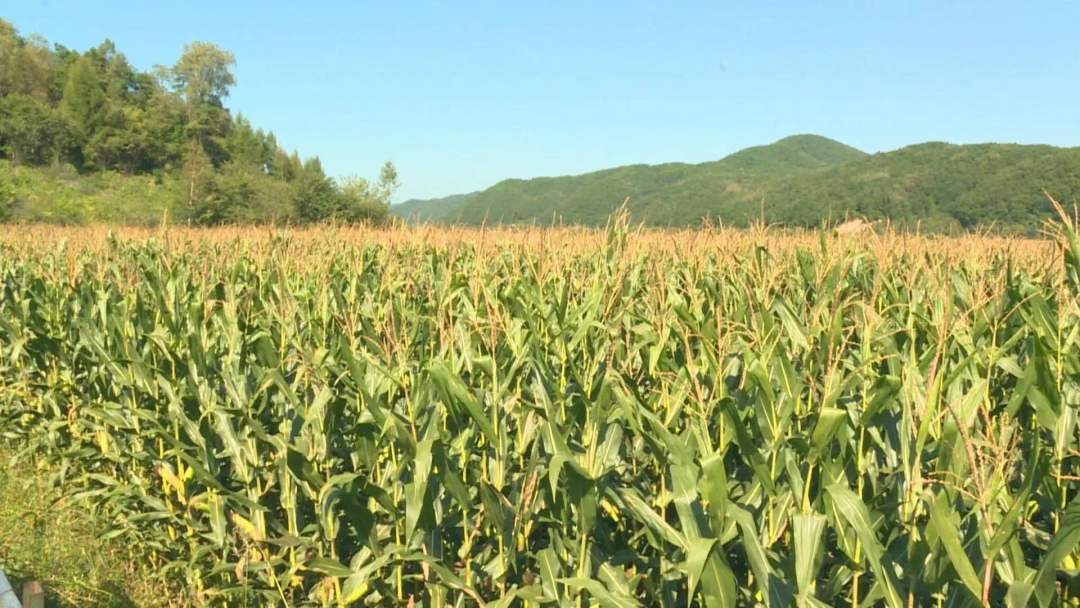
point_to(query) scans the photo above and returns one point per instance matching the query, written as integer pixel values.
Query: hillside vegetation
(429, 210)
(669, 194)
(943, 184)
(84, 136)
(63, 195)
(805, 181)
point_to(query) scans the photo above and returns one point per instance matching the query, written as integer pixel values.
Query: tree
(296, 165)
(64, 58)
(201, 207)
(247, 145)
(25, 64)
(281, 166)
(252, 197)
(163, 117)
(359, 201)
(84, 104)
(203, 74)
(117, 74)
(126, 142)
(7, 196)
(388, 181)
(31, 131)
(314, 196)
(209, 126)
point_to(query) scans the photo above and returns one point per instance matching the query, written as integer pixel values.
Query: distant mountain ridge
(429, 210)
(667, 194)
(941, 185)
(802, 180)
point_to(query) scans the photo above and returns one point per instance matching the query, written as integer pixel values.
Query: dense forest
(804, 180)
(85, 136)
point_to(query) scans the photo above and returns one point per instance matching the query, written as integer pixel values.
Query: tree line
(96, 113)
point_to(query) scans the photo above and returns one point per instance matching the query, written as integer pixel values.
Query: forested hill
(804, 181)
(668, 194)
(429, 210)
(85, 136)
(942, 185)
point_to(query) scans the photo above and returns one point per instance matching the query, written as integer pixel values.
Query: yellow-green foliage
(59, 195)
(561, 417)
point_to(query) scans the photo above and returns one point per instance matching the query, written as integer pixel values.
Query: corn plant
(560, 417)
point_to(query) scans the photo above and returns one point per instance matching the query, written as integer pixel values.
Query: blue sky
(461, 95)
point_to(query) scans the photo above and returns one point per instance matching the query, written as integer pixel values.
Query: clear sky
(461, 95)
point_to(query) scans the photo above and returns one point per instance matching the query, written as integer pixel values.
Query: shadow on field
(47, 538)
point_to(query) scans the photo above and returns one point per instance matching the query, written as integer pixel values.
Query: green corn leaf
(807, 530)
(600, 593)
(854, 513)
(755, 551)
(829, 422)
(457, 393)
(941, 518)
(1065, 542)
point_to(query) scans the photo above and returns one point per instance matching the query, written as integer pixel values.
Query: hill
(945, 186)
(792, 154)
(668, 194)
(804, 181)
(429, 210)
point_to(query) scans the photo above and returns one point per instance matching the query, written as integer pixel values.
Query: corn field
(560, 417)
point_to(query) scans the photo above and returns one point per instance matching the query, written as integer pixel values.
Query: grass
(47, 537)
(60, 195)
